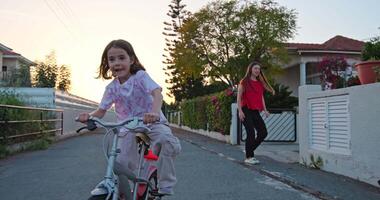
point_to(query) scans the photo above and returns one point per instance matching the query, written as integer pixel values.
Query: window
(312, 74)
(4, 74)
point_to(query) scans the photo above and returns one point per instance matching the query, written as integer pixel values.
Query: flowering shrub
(229, 92)
(331, 69)
(212, 112)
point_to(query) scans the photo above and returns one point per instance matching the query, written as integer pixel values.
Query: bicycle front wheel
(154, 182)
(99, 197)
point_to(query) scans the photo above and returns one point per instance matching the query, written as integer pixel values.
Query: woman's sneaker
(252, 161)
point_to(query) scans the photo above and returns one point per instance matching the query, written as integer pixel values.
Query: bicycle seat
(143, 137)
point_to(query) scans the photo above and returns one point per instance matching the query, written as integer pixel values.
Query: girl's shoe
(252, 161)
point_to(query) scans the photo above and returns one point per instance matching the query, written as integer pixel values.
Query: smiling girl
(135, 94)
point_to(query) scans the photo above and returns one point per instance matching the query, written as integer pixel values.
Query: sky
(78, 31)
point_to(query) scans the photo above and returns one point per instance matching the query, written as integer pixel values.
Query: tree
(46, 72)
(225, 36)
(64, 77)
(177, 79)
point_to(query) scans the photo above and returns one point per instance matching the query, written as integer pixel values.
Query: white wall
(363, 158)
(36, 97)
(50, 98)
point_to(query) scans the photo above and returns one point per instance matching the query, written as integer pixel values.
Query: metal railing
(174, 117)
(281, 126)
(20, 123)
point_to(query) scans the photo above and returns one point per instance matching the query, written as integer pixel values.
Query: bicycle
(145, 182)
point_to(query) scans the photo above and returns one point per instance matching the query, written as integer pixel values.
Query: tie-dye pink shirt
(133, 98)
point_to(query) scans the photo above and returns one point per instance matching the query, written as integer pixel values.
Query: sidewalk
(279, 161)
(281, 152)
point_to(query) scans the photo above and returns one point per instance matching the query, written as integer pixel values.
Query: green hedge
(16, 114)
(213, 111)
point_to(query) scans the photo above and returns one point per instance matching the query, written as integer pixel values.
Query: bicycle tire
(154, 181)
(99, 197)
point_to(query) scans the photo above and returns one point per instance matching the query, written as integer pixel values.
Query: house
(304, 59)
(10, 61)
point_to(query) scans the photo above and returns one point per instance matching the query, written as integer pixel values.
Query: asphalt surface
(206, 169)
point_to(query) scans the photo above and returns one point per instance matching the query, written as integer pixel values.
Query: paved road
(206, 169)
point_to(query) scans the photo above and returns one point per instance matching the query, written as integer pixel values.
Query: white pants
(164, 143)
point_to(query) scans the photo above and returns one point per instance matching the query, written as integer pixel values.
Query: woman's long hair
(262, 78)
(104, 69)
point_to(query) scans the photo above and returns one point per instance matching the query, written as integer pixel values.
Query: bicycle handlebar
(132, 124)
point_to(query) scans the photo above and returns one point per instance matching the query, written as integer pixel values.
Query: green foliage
(213, 111)
(371, 49)
(47, 73)
(281, 99)
(181, 83)
(64, 77)
(316, 163)
(16, 114)
(9, 98)
(4, 151)
(221, 39)
(193, 113)
(39, 144)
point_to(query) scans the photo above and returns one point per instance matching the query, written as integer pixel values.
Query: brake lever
(84, 127)
(90, 126)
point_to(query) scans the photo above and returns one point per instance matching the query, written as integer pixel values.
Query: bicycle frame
(110, 183)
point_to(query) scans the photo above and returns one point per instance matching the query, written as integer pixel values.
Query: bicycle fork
(109, 177)
(142, 149)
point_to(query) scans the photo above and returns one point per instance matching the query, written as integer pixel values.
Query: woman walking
(250, 101)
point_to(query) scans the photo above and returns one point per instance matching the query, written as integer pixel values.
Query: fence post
(62, 123)
(41, 122)
(179, 118)
(5, 119)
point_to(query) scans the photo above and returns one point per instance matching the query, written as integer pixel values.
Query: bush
(213, 111)
(16, 114)
(331, 69)
(371, 49)
(281, 99)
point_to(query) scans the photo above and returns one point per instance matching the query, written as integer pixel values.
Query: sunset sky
(78, 30)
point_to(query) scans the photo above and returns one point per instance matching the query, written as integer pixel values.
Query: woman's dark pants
(252, 122)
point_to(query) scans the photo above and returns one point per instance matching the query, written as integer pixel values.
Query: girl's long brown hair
(104, 69)
(262, 78)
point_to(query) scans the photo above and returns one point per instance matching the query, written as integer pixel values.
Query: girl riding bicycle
(135, 94)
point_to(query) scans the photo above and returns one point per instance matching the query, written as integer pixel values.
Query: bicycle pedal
(156, 194)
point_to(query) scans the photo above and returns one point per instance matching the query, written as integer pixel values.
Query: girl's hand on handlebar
(151, 117)
(83, 117)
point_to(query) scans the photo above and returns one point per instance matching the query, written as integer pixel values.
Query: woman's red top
(253, 95)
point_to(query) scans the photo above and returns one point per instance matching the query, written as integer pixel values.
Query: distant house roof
(8, 52)
(337, 43)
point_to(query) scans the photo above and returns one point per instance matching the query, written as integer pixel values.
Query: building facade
(11, 61)
(304, 58)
